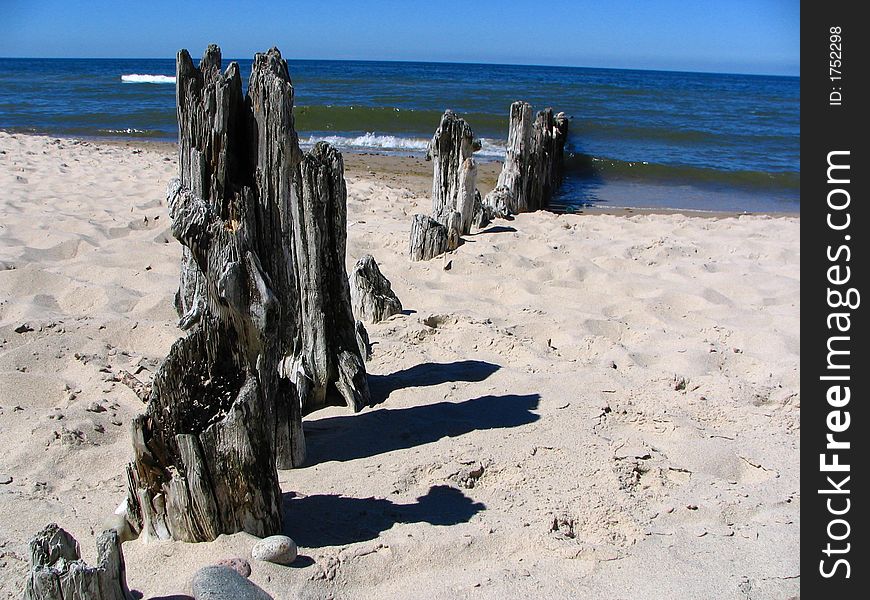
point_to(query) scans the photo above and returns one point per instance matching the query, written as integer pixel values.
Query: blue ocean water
(637, 138)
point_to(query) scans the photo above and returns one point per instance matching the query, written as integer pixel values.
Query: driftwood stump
(265, 304)
(534, 161)
(453, 170)
(57, 571)
(511, 190)
(429, 238)
(547, 163)
(371, 293)
(454, 175)
(333, 372)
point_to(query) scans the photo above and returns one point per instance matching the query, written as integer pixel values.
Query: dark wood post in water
(264, 302)
(534, 161)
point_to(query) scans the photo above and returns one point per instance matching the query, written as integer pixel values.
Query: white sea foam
(392, 143)
(371, 141)
(491, 148)
(128, 130)
(137, 78)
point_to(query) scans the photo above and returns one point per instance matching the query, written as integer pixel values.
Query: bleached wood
(57, 571)
(264, 299)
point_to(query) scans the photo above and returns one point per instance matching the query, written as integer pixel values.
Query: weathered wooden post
(514, 173)
(333, 371)
(266, 307)
(453, 170)
(57, 571)
(534, 161)
(453, 190)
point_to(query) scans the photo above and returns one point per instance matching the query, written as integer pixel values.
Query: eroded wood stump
(57, 571)
(371, 293)
(203, 464)
(429, 238)
(333, 372)
(454, 175)
(453, 170)
(264, 298)
(534, 161)
(511, 189)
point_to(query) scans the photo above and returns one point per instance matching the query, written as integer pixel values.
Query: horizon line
(433, 62)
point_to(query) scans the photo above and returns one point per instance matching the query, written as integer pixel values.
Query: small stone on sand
(278, 549)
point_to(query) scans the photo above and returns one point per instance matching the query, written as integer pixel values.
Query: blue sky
(736, 36)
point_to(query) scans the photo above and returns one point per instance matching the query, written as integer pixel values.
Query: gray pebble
(222, 583)
(278, 549)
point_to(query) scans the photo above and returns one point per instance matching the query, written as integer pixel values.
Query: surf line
(841, 300)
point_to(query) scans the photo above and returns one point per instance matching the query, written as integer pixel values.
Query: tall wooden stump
(534, 161)
(269, 325)
(546, 161)
(454, 176)
(513, 177)
(333, 371)
(454, 170)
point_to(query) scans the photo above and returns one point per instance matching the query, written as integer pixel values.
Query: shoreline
(417, 175)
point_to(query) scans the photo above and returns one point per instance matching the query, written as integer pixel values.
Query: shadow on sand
(383, 430)
(333, 520)
(497, 229)
(329, 520)
(426, 374)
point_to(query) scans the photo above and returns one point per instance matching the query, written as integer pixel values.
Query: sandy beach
(570, 406)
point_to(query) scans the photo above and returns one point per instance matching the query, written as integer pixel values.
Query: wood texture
(453, 170)
(534, 161)
(371, 294)
(333, 370)
(454, 174)
(265, 300)
(429, 238)
(57, 571)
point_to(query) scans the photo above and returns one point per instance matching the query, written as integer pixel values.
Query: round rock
(222, 583)
(278, 549)
(239, 565)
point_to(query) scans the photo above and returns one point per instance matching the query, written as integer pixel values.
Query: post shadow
(426, 374)
(332, 520)
(497, 229)
(383, 430)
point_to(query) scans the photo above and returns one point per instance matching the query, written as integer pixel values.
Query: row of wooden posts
(269, 313)
(531, 174)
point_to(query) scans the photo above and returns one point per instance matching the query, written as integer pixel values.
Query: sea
(638, 139)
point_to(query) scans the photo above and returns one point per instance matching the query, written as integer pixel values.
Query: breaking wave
(137, 78)
(396, 144)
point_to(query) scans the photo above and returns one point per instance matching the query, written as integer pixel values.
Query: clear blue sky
(738, 36)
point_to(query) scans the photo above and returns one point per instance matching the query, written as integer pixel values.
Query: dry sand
(579, 406)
